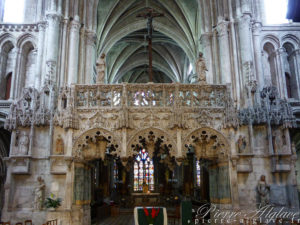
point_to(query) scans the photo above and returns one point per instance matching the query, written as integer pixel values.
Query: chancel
(142, 112)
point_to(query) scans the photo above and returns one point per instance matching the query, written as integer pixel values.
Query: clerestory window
(14, 11)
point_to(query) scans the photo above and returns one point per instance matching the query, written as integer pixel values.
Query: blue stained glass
(143, 171)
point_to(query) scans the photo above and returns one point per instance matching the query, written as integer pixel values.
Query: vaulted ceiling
(121, 35)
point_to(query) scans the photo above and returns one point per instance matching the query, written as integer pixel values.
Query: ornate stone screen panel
(150, 95)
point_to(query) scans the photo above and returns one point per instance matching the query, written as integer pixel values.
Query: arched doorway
(4, 152)
(207, 152)
(107, 185)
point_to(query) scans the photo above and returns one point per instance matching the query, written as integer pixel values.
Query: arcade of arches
(113, 104)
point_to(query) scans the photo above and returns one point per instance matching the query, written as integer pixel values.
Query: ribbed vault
(122, 37)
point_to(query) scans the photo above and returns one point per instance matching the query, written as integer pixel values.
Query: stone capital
(53, 18)
(91, 38)
(245, 20)
(256, 28)
(75, 26)
(222, 28)
(281, 51)
(41, 26)
(296, 52)
(205, 39)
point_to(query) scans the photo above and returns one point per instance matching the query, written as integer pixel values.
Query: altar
(146, 199)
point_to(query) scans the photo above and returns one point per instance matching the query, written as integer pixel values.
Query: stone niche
(260, 140)
(282, 164)
(59, 164)
(22, 193)
(58, 188)
(20, 165)
(278, 195)
(244, 164)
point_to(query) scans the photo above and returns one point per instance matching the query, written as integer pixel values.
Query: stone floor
(124, 220)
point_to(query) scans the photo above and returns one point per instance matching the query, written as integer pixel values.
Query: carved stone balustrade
(7, 27)
(150, 95)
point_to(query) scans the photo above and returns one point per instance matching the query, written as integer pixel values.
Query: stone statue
(23, 144)
(145, 187)
(263, 190)
(59, 145)
(241, 144)
(39, 194)
(201, 69)
(101, 69)
(277, 141)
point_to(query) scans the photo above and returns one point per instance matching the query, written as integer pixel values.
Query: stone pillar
(279, 57)
(73, 51)
(90, 56)
(296, 58)
(224, 50)
(40, 52)
(206, 40)
(256, 28)
(3, 62)
(63, 63)
(2, 5)
(53, 22)
(82, 57)
(14, 78)
(233, 171)
(244, 26)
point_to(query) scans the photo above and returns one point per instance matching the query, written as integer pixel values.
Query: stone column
(3, 62)
(279, 58)
(296, 57)
(40, 52)
(90, 56)
(206, 40)
(2, 5)
(244, 26)
(256, 28)
(82, 57)
(53, 22)
(14, 78)
(224, 50)
(63, 62)
(73, 51)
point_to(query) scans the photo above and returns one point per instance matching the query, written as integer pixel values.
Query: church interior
(149, 112)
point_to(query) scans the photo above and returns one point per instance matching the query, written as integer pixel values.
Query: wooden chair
(19, 223)
(51, 222)
(4, 223)
(28, 222)
(175, 216)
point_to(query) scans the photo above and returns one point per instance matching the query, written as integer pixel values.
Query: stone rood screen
(150, 95)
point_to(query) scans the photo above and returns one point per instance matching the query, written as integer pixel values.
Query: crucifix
(149, 15)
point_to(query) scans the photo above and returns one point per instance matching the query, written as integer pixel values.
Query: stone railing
(150, 95)
(5, 104)
(8, 27)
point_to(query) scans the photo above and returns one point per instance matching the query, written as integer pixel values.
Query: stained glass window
(143, 171)
(198, 173)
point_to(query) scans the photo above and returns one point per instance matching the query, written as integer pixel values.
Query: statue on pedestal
(145, 187)
(201, 69)
(59, 145)
(100, 69)
(241, 144)
(263, 190)
(39, 194)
